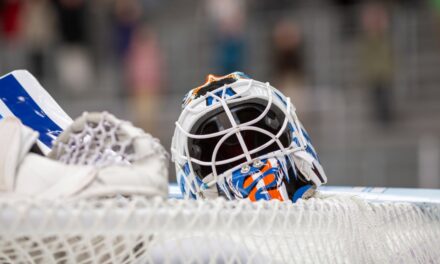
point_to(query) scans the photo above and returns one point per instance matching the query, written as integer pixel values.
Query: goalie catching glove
(97, 156)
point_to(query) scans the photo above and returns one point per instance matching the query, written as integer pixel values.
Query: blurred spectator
(72, 20)
(228, 17)
(230, 53)
(73, 60)
(377, 60)
(288, 52)
(10, 19)
(126, 16)
(144, 71)
(348, 14)
(265, 6)
(11, 48)
(435, 7)
(39, 34)
(100, 23)
(288, 61)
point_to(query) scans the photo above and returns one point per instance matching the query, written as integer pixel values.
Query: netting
(137, 230)
(100, 139)
(114, 157)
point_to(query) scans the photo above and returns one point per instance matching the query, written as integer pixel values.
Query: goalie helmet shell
(240, 138)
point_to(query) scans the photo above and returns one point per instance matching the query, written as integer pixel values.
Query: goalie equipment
(97, 156)
(22, 96)
(241, 139)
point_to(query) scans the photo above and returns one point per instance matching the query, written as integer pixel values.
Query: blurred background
(364, 75)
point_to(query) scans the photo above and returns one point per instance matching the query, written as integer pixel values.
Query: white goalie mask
(241, 139)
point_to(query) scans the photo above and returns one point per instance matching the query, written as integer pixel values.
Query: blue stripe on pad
(23, 106)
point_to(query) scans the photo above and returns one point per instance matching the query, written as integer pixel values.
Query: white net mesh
(319, 230)
(100, 139)
(120, 158)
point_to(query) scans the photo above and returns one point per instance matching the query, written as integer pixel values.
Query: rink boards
(378, 194)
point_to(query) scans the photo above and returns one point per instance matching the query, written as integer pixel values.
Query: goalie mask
(241, 139)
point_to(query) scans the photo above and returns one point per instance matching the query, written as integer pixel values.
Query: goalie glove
(97, 156)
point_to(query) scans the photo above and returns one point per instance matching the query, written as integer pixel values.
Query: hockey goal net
(337, 229)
